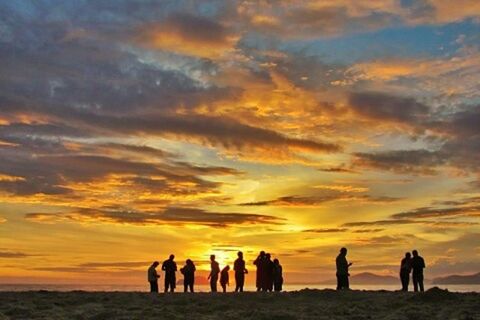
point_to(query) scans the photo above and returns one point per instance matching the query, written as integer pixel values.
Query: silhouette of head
(189, 261)
(226, 268)
(240, 254)
(275, 261)
(343, 251)
(155, 263)
(171, 257)
(415, 253)
(262, 253)
(268, 256)
(212, 257)
(407, 255)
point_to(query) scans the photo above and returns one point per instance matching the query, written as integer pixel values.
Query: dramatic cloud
(320, 200)
(347, 122)
(402, 161)
(12, 254)
(384, 107)
(438, 212)
(190, 35)
(171, 216)
(326, 230)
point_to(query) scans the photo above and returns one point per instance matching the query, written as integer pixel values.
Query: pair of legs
(188, 285)
(153, 286)
(240, 282)
(213, 283)
(169, 285)
(277, 286)
(405, 278)
(224, 287)
(342, 282)
(417, 282)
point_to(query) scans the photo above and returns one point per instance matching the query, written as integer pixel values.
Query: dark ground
(305, 304)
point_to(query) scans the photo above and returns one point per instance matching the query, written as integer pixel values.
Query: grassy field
(304, 304)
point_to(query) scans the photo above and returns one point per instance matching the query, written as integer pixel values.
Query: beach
(304, 304)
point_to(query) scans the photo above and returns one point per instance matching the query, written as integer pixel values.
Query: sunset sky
(130, 130)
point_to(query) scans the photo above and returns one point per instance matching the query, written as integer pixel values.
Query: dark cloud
(171, 216)
(456, 134)
(429, 212)
(197, 28)
(378, 223)
(326, 230)
(12, 254)
(418, 161)
(381, 106)
(318, 200)
(368, 230)
(337, 170)
(432, 217)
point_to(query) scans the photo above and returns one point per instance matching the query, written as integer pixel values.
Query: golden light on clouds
(291, 127)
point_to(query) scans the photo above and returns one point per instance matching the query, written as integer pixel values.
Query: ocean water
(204, 288)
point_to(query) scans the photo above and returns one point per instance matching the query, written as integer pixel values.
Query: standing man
(259, 262)
(268, 270)
(214, 271)
(240, 271)
(170, 267)
(277, 275)
(418, 264)
(405, 269)
(153, 277)
(342, 270)
(188, 272)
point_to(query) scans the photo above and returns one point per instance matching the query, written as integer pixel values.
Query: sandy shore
(304, 304)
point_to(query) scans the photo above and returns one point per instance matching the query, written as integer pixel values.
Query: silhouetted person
(259, 262)
(224, 278)
(277, 275)
(240, 271)
(405, 269)
(153, 277)
(267, 273)
(214, 271)
(418, 264)
(170, 267)
(342, 270)
(188, 272)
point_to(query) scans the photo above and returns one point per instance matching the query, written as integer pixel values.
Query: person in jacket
(277, 275)
(268, 273)
(214, 271)
(170, 267)
(240, 271)
(405, 269)
(259, 263)
(418, 264)
(153, 276)
(188, 272)
(224, 278)
(342, 270)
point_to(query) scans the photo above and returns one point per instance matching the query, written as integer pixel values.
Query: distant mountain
(371, 278)
(368, 278)
(456, 279)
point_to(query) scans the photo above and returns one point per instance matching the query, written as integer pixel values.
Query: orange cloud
(189, 35)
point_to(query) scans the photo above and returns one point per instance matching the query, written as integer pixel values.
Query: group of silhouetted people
(269, 274)
(409, 264)
(415, 265)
